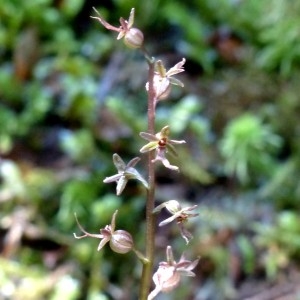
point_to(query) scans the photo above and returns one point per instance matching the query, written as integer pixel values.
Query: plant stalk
(150, 217)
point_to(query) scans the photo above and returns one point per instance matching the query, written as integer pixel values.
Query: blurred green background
(71, 96)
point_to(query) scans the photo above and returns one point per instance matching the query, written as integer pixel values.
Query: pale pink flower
(168, 275)
(179, 214)
(163, 79)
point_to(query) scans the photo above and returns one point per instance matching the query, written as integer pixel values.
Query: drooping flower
(125, 172)
(162, 144)
(179, 214)
(120, 241)
(133, 37)
(168, 275)
(163, 79)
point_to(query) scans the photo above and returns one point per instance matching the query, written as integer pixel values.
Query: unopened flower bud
(134, 38)
(121, 242)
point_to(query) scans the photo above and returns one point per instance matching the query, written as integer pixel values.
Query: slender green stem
(150, 217)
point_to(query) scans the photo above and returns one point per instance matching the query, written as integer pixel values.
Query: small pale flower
(179, 214)
(120, 241)
(161, 143)
(133, 37)
(163, 79)
(168, 275)
(125, 172)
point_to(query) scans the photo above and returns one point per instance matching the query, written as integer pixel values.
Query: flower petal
(186, 270)
(178, 68)
(102, 243)
(175, 142)
(158, 208)
(142, 180)
(131, 19)
(118, 162)
(167, 164)
(149, 137)
(160, 156)
(168, 220)
(133, 162)
(190, 208)
(165, 131)
(161, 70)
(154, 293)
(104, 23)
(99, 236)
(173, 207)
(149, 147)
(193, 265)
(112, 178)
(132, 173)
(176, 81)
(170, 255)
(121, 35)
(121, 185)
(113, 221)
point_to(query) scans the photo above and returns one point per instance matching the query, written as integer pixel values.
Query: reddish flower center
(162, 142)
(182, 218)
